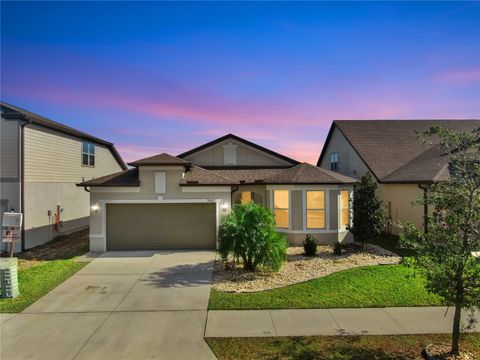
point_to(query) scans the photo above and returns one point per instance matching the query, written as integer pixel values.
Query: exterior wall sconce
(95, 208)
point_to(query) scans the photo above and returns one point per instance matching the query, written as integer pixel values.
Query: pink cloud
(460, 76)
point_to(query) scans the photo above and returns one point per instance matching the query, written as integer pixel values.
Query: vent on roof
(229, 154)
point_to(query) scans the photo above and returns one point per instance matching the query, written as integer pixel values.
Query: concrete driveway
(123, 305)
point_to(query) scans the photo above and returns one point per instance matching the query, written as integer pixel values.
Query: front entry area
(161, 226)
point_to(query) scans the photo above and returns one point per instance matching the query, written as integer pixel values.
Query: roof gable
(248, 154)
(11, 112)
(162, 159)
(386, 146)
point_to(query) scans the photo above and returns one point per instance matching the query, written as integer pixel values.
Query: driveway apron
(123, 305)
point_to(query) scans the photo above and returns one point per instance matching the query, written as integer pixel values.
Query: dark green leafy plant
(369, 218)
(338, 248)
(445, 252)
(310, 245)
(248, 233)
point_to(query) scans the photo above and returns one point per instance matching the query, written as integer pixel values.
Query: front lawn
(44, 267)
(372, 286)
(36, 281)
(404, 347)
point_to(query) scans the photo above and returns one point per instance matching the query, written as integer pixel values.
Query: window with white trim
(334, 161)
(315, 209)
(281, 208)
(345, 207)
(88, 153)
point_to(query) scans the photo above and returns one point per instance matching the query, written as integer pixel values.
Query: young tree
(369, 218)
(445, 252)
(248, 233)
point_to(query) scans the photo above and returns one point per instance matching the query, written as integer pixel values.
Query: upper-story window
(334, 161)
(88, 153)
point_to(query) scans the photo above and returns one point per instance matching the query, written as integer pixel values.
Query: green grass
(391, 243)
(403, 347)
(36, 281)
(372, 286)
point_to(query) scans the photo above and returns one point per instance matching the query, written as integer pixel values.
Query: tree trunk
(456, 329)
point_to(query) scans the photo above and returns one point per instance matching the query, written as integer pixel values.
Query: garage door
(160, 226)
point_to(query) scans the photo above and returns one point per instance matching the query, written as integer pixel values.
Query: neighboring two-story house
(403, 165)
(41, 162)
(177, 202)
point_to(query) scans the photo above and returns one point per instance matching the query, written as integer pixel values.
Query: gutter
(425, 207)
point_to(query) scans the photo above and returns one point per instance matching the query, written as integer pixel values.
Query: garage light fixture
(95, 208)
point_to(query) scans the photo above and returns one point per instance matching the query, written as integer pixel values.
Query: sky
(158, 77)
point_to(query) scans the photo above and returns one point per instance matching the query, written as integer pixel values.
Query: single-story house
(403, 165)
(41, 163)
(177, 202)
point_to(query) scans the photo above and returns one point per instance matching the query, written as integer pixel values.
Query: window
(280, 208)
(334, 161)
(88, 154)
(315, 209)
(246, 197)
(160, 183)
(345, 207)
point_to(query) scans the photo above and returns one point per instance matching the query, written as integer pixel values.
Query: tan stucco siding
(349, 162)
(146, 193)
(9, 149)
(51, 156)
(400, 199)
(296, 210)
(246, 156)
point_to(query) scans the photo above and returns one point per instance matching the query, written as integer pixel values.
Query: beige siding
(52, 169)
(349, 162)
(51, 156)
(246, 156)
(9, 148)
(400, 199)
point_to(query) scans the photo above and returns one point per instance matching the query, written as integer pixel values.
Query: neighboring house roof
(392, 150)
(15, 113)
(239, 139)
(160, 160)
(123, 178)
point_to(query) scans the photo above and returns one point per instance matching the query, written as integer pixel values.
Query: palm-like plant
(248, 233)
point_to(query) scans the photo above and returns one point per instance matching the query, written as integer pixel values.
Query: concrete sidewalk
(299, 322)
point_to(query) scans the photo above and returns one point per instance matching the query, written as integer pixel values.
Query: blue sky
(156, 77)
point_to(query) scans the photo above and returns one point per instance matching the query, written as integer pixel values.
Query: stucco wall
(400, 198)
(146, 192)
(349, 162)
(246, 156)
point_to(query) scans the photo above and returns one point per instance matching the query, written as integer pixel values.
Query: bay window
(281, 208)
(315, 210)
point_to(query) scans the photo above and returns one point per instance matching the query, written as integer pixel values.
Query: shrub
(338, 248)
(369, 218)
(248, 233)
(310, 245)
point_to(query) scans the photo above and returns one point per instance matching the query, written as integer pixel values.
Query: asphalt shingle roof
(392, 150)
(160, 160)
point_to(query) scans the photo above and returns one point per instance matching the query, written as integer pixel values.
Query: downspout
(425, 207)
(234, 188)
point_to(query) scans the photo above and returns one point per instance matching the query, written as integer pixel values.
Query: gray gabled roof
(392, 150)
